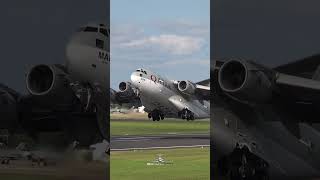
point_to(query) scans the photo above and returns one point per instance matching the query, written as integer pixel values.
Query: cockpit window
(104, 31)
(90, 29)
(141, 70)
(99, 43)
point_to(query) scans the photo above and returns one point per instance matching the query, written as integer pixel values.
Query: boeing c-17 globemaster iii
(70, 99)
(265, 121)
(162, 97)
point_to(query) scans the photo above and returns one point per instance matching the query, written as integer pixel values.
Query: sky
(36, 32)
(271, 32)
(169, 37)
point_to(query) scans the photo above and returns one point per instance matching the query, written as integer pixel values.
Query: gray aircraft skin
(168, 98)
(265, 121)
(70, 98)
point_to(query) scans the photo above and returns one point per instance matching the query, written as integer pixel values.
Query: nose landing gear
(185, 113)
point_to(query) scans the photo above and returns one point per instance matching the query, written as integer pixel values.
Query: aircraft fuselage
(160, 93)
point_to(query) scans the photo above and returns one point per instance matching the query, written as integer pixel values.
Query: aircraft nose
(134, 78)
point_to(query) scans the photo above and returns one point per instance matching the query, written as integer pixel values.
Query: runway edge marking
(167, 147)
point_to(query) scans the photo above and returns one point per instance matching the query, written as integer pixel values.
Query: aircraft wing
(297, 79)
(120, 98)
(304, 90)
(200, 89)
(299, 90)
(203, 90)
(303, 68)
(301, 78)
(204, 83)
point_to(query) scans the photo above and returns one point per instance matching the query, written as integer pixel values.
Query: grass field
(139, 124)
(188, 164)
(131, 116)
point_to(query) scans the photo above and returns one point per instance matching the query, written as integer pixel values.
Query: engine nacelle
(186, 87)
(126, 89)
(246, 81)
(49, 81)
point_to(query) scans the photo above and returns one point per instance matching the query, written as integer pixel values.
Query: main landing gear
(241, 164)
(185, 113)
(156, 115)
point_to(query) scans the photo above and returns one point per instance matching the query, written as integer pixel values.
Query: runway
(123, 143)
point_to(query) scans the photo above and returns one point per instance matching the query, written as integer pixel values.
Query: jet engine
(50, 81)
(126, 89)
(186, 87)
(246, 81)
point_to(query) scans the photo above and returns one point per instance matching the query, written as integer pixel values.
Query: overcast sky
(271, 32)
(36, 31)
(168, 37)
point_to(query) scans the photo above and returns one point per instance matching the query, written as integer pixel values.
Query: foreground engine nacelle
(126, 90)
(49, 81)
(186, 87)
(246, 81)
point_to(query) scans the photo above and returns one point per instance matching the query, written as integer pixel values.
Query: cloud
(171, 43)
(176, 48)
(201, 62)
(186, 27)
(124, 33)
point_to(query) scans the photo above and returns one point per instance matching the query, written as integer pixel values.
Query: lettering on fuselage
(104, 57)
(157, 79)
(153, 78)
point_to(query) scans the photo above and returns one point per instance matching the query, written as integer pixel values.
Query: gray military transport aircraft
(68, 99)
(166, 98)
(265, 120)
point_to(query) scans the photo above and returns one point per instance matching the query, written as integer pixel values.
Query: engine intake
(246, 80)
(40, 79)
(49, 81)
(186, 87)
(232, 76)
(126, 89)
